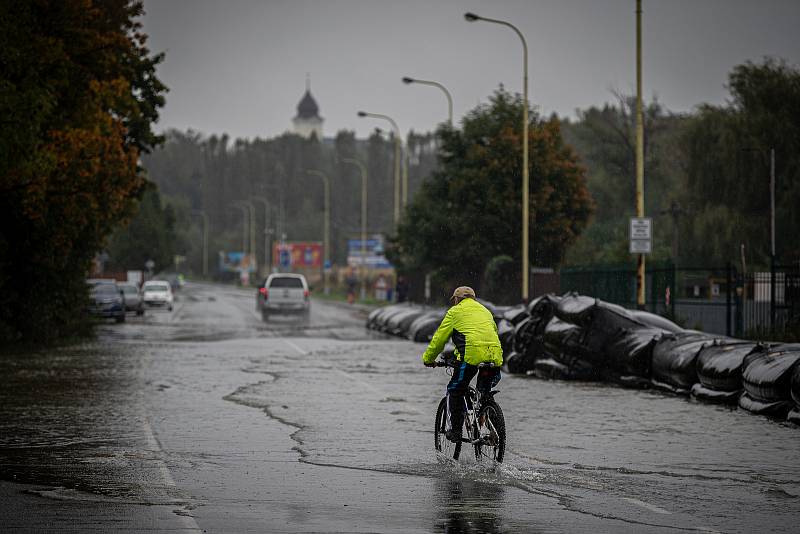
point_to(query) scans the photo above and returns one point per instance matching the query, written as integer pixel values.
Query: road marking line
(301, 350)
(648, 506)
(154, 445)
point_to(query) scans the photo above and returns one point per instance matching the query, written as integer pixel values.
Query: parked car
(133, 299)
(157, 293)
(106, 300)
(284, 293)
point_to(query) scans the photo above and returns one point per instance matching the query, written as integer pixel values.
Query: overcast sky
(240, 66)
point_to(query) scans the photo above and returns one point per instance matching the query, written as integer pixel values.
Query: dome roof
(307, 108)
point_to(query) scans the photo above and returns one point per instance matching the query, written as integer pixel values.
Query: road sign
(641, 234)
(641, 228)
(641, 246)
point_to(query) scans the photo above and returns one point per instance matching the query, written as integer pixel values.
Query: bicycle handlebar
(454, 364)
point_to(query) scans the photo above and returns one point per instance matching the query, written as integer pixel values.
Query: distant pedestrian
(401, 289)
(351, 283)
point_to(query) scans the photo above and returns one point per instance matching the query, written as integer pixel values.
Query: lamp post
(203, 216)
(363, 170)
(244, 209)
(408, 81)
(252, 210)
(472, 17)
(398, 142)
(267, 211)
(327, 224)
(771, 227)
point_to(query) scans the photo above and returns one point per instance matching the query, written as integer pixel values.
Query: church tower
(307, 120)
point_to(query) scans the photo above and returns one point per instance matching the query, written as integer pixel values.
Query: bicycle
(483, 421)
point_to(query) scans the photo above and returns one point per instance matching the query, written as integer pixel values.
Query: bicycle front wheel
(492, 431)
(442, 444)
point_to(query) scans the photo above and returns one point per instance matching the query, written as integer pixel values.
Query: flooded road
(208, 419)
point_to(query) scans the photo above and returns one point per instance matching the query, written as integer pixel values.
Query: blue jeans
(458, 385)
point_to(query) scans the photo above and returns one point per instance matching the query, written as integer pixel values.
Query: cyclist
(474, 334)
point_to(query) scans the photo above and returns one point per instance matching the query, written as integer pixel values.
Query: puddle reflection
(467, 506)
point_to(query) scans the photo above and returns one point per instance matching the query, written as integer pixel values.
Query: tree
(150, 235)
(604, 139)
(469, 211)
(727, 167)
(78, 96)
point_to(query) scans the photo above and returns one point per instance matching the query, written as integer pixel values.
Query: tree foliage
(78, 95)
(150, 235)
(728, 167)
(470, 210)
(210, 173)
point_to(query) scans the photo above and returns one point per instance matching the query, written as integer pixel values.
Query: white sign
(641, 246)
(641, 228)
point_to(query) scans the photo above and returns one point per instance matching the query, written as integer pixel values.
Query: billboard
(300, 254)
(373, 257)
(236, 262)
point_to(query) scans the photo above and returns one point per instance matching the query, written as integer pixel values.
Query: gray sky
(239, 66)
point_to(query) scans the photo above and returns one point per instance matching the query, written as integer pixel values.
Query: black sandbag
(674, 361)
(372, 315)
(703, 393)
(794, 416)
(382, 321)
(516, 314)
(767, 376)
(655, 321)
(719, 366)
(544, 307)
(625, 380)
(517, 363)
(778, 409)
(550, 369)
(631, 352)
(521, 335)
(562, 340)
(505, 331)
(423, 328)
(574, 308)
(605, 323)
(795, 385)
(399, 322)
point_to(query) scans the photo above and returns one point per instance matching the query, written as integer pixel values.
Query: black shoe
(453, 436)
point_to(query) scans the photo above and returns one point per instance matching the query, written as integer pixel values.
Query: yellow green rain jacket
(474, 335)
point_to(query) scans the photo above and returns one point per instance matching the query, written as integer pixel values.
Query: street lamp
(363, 170)
(244, 209)
(267, 211)
(398, 141)
(407, 80)
(327, 224)
(472, 17)
(203, 216)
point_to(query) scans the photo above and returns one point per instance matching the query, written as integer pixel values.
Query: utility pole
(640, 280)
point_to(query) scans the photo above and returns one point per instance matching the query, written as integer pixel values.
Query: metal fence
(718, 300)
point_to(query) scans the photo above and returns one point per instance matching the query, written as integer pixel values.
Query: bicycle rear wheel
(492, 432)
(442, 444)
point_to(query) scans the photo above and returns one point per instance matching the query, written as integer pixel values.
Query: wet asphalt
(208, 419)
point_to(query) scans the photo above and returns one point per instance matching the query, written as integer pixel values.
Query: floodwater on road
(207, 418)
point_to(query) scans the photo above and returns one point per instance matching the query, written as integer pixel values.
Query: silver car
(284, 293)
(133, 299)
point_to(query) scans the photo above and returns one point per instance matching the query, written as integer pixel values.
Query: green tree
(469, 211)
(727, 170)
(78, 95)
(150, 235)
(604, 138)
